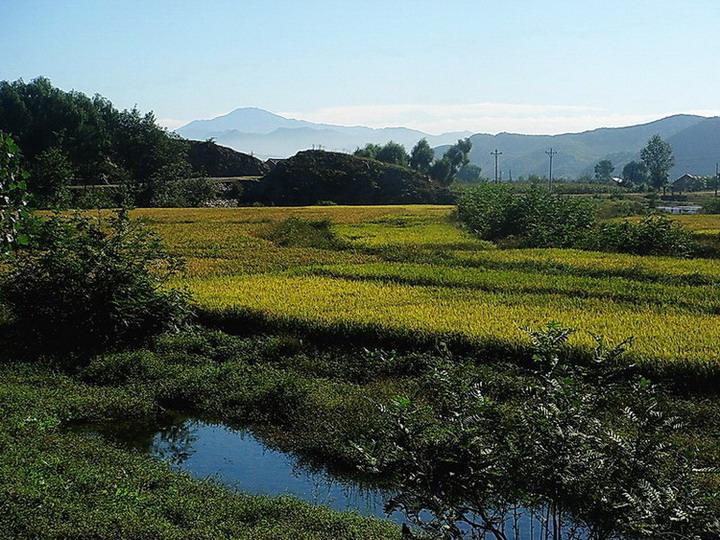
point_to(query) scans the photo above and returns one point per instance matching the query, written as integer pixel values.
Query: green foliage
(393, 153)
(535, 218)
(13, 196)
(540, 218)
(422, 156)
(50, 176)
(298, 232)
(658, 158)
(370, 151)
(469, 173)
(121, 196)
(604, 169)
(635, 173)
(444, 170)
(467, 463)
(441, 170)
(67, 136)
(84, 285)
(712, 207)
(653, 235)
(181, 193)
(457, 154)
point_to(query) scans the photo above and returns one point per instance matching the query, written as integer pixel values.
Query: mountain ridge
(696, 140)
(255, 131)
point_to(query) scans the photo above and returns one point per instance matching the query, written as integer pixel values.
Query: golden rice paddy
(671, 307)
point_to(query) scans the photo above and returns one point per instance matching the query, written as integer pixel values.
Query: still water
(242, 461)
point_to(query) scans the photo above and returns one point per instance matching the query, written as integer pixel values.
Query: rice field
(453, 287)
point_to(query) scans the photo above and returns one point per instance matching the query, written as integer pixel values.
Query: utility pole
(551, 154)
(717, 176)
(496, 154)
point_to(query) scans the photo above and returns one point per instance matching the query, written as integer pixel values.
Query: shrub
(297, 232)
(183, 193)
(540, 218)
(536, 218)
(712, 207)
(13, 195)
(84, 285)
(653, 235)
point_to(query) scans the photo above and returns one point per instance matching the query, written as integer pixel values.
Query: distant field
(410, 272)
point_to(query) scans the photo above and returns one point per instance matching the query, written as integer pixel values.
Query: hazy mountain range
(695, 141)
(265, 134)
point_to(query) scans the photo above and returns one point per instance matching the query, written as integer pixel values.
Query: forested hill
(68, 138)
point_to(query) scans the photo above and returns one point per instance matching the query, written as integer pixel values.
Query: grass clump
(298, 232)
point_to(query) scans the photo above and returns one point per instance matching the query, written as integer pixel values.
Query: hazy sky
(513, 65)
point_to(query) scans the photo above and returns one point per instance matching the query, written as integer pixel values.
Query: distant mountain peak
(263, 133)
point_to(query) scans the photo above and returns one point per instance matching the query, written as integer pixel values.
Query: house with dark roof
(684, 183)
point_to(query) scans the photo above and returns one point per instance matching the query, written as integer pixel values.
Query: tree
(87, 138)
(635, 173)
(604, 169)
(393, 153)
(469, 173)
(50, 175)
(441, 171)
(370, 151)
(13, 195)
(457, 154)
(658, 158)
(422, 156)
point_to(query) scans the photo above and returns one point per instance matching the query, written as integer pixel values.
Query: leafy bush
(712, 207)
(13, 195)
(654, 235)
(540, 218)
(119, 196)
(536, 218)
(183, 193)
(84, 285)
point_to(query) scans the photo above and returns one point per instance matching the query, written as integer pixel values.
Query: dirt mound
(211, 159)
(314, 176)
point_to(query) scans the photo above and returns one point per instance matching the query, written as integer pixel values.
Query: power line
(551, 154)
(496, 154)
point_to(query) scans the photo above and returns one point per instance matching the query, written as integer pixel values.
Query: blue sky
(513, 65)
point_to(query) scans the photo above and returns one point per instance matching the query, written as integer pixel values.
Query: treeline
(82, 151)
(68, 138)
(454, 165)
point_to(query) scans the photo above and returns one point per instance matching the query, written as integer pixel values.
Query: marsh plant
(551, 461)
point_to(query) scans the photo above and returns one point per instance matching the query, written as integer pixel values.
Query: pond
(241, 460)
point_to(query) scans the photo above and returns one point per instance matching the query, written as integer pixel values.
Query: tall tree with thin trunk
(658, 158)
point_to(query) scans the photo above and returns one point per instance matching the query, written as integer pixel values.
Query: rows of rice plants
(702, 298)
(477, 295)
(593, 263)
(483, 318)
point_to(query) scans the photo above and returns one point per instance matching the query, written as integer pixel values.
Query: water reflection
(241, 461)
